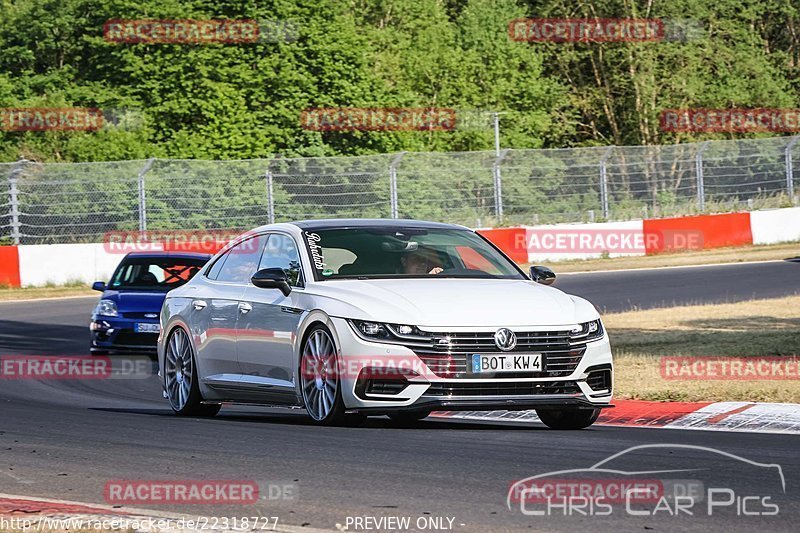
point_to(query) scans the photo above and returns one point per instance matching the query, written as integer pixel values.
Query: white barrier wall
(537, 252)
(40, 264)
(777, 225)
(62, 263)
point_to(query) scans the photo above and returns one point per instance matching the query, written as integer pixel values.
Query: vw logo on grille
(505, 339)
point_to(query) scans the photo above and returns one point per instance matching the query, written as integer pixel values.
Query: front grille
(514, 388)
(140, 314)
(557, 363)
(483, 342)
(127, 337)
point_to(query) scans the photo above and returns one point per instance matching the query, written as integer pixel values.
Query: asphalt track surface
(67, 439)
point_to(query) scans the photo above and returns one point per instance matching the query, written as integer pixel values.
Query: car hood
(453, 302)
(136, 301)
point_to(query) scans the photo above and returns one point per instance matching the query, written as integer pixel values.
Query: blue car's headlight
(106, 308)
(588, 331)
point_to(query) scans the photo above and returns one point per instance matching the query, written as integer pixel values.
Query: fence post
(789, 169)
(604, 181)
(498, 184)
(13, 193)
(142, 197)
(270, 197)
(698, 164)
(393, 201)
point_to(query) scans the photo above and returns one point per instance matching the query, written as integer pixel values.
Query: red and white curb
(26, 513)
(749, 417)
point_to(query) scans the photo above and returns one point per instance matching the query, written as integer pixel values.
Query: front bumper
(382, 378)
(109, 334)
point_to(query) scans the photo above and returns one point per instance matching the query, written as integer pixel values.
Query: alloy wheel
(319, 374)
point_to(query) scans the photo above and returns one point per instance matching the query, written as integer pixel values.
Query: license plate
(530, 362)
(147, 328)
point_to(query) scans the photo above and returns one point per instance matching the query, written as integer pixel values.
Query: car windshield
(154, 273)
(388, 252)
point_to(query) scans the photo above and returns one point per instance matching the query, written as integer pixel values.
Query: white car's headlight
(378, 331)
(588, 331)
(106, 308)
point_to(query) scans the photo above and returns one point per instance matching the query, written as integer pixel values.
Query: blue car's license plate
(142, 327)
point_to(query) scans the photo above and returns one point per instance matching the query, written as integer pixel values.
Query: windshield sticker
(327, 272)
(316, 250)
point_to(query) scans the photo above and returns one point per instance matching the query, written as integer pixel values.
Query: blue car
(126, 318)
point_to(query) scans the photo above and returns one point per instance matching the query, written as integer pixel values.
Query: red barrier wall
(697, 232)
(9, 266)
(510, 240)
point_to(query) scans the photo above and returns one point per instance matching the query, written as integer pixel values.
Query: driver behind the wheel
(419, 262)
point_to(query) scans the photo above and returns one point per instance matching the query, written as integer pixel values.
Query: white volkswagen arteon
(350, 318)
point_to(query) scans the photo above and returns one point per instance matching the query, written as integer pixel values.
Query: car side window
(281, 252)
(241, 261)
(213, 272)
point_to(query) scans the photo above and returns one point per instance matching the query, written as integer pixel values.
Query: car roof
(169, 255)
(343, 223)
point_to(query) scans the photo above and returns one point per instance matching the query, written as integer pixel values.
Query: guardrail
(80, 202)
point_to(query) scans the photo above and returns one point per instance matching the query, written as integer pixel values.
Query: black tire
(408, 417)
(192, 406)
(98, 352)
(336, 415)
(568, 418)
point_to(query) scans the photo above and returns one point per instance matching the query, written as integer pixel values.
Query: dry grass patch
(35, 293)
(758, 328)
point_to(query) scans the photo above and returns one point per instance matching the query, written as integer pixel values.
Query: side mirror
(272, 278)
(99, 286)
(543, 275)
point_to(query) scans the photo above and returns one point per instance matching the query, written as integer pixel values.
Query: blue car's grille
(140, 315)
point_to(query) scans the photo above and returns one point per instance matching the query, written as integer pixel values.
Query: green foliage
(244, 100)
(241, 101)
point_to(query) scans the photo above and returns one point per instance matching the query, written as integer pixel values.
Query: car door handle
(245, 307)
(199, 305)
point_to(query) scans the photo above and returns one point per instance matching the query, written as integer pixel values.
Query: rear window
(154, 274)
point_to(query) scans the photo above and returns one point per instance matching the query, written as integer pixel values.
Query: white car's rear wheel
(180, 378)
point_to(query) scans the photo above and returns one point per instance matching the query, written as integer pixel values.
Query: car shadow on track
(372, 423)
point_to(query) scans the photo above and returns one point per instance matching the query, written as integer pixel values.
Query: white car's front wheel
(319, 378)
(568, 418)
